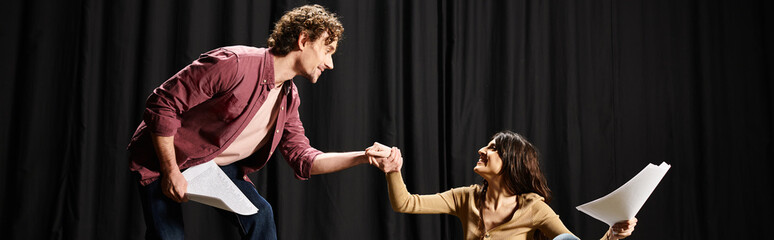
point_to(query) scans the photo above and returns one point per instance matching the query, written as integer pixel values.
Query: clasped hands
(385, 158)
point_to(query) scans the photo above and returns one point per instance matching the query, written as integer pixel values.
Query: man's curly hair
(314, 20)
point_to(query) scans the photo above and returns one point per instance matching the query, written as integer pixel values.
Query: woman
(510, 204)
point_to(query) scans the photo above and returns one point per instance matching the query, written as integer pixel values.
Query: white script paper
(208, 184)
(624, 203)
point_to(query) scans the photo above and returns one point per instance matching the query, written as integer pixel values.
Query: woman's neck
(497, 195)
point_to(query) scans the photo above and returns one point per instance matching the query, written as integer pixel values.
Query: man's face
(315, 57)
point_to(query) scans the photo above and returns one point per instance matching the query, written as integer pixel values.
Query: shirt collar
(267, 73)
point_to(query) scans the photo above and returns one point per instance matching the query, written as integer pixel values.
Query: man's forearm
(333, 162)
(165, 150)
(173, 183)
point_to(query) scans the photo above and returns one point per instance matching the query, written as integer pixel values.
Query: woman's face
(489, 162)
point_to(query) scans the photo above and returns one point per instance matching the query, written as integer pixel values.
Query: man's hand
(385, 158)
(174, 186)
(173, 183)
(376, 152)
(622, 229)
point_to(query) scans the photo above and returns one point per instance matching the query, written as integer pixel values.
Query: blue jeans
(565, 236)
(164, 218)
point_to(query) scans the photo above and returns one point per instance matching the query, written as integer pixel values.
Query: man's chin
(311, 79)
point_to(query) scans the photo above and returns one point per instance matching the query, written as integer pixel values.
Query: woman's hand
(622, 229)
(394, 162)
(385, 158)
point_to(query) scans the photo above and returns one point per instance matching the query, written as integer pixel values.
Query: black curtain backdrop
(601, 87)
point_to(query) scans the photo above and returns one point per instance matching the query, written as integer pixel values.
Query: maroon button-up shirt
(207, 104)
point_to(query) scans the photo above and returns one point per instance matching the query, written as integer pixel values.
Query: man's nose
(329, 62)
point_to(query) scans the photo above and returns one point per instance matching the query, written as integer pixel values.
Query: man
(235, 106)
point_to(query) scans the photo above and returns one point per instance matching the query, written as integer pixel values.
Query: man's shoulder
(233, 53)
(246, 51)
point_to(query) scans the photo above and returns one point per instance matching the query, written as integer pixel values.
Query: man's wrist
(362, 157)
(170, 171)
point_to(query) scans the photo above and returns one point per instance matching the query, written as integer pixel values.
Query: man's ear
(303, 39)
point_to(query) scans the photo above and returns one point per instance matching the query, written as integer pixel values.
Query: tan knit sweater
(533, 214)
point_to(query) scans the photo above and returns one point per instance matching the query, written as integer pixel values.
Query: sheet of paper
(208, 184)
(624, 203)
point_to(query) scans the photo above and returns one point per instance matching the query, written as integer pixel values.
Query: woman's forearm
(399, 195)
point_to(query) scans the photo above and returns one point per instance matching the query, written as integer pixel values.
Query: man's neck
(283, 68)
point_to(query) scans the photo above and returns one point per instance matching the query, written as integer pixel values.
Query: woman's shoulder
(536, 206)
(464, 192)
(468, 189)
(531, 196)
(532, 199)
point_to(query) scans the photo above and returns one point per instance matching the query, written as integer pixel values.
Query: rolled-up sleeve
(295, 145)
(212, 73)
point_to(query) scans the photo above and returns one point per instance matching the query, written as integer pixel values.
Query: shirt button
(276, 131)
(264, 80)
(282, 108)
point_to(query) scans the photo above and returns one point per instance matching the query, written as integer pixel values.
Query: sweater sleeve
(546, 220)
(405, 202)
(606, 236)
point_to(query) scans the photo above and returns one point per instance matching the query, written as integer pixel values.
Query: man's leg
(257, 226)
(163, 217)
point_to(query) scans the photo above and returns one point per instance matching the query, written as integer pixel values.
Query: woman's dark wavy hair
(521, 168)
(313, 20)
